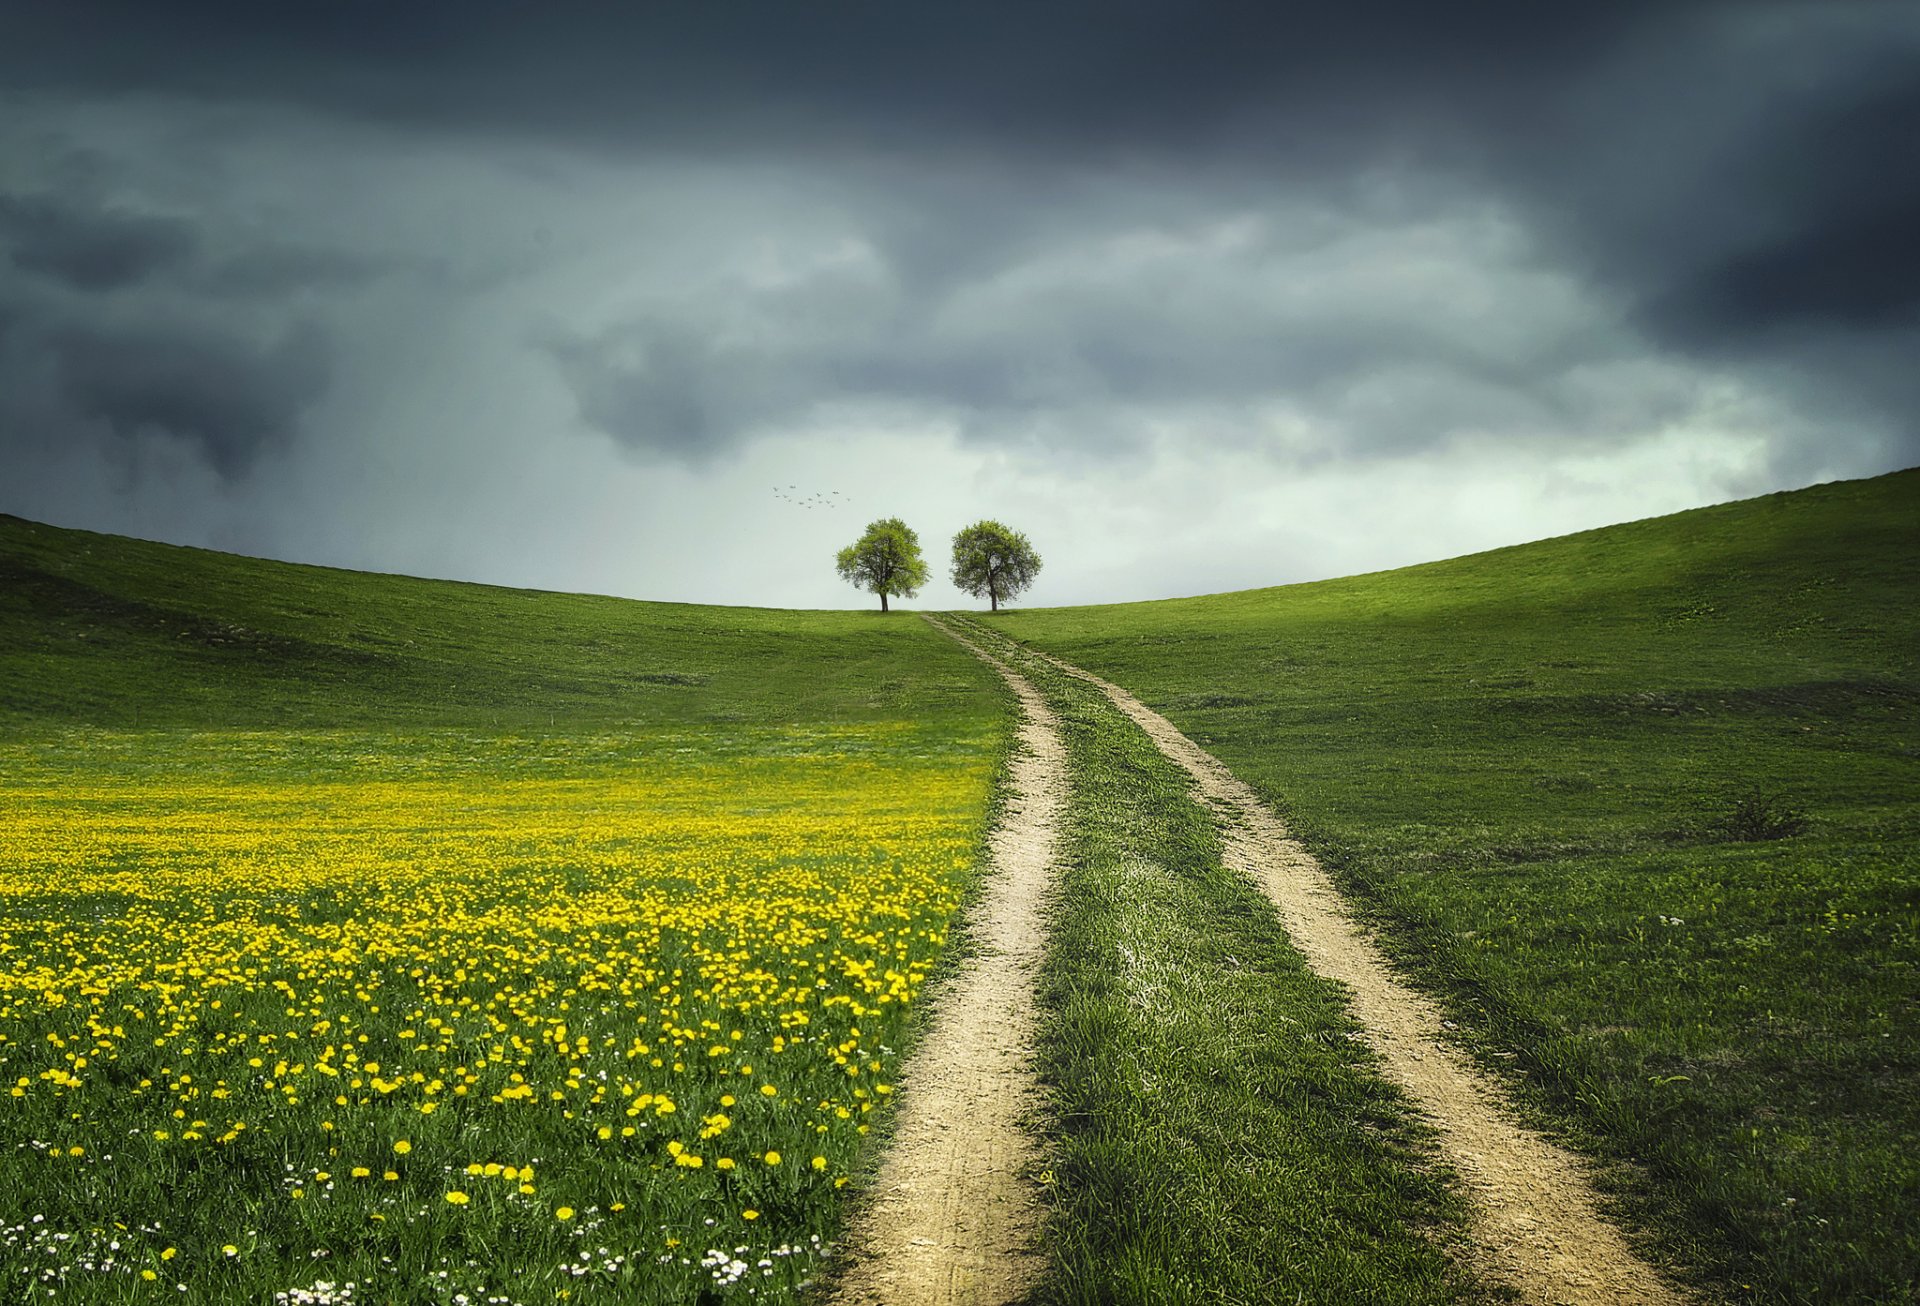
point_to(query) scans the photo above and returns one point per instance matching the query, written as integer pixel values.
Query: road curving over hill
(954, 1216)
(1538, 1228)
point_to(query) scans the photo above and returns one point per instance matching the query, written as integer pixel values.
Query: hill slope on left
(442, 939)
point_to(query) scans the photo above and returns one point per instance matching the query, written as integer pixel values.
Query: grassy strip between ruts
(1643, 806)
(1222, 1136)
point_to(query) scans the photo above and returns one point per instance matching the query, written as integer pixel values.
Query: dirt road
(955, 1214)
(1539, 1227)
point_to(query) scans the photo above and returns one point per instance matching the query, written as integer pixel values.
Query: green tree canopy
(886, 560)
(992, 560)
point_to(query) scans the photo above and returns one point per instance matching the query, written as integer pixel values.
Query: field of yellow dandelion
(355, 1017)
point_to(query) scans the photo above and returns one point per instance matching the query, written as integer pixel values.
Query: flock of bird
(830, 499)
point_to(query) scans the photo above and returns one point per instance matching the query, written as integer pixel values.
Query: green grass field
(458, 944)
(1549, 774)
(1640, 805)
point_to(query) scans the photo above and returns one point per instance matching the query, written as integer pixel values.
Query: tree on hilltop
(992, 560)
(886, 560)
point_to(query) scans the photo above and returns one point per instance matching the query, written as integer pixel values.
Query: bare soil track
(1539, 1227)
(955, 1216)
(955, 1213)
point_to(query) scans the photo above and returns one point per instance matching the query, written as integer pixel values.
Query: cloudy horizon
(671, 303)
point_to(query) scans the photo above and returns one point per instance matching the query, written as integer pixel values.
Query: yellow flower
(819, 1162)
(749, 1214)
(458, 1198)
(169, 1253)
(361, 1172)
(772, 1158)
(230, 1250)
(402, 1147)
(564, 1213)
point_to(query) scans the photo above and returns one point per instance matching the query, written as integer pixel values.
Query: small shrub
(1757, 817)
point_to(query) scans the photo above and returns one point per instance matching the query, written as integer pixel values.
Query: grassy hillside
(106, 631)
(455, 942)
(1643, 804)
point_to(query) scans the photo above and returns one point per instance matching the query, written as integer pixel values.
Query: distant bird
(812, 499)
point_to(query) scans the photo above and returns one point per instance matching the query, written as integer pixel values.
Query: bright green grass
(258, 812)
(1220, 1135)
(1522, 763)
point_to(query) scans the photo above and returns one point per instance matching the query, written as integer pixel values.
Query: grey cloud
(1843, 199)
(226, 397)
(663, 387)
(280, 269)
(1788, 208)
(1085, 335)
(137, 327)
(98, 248)
(91, 251)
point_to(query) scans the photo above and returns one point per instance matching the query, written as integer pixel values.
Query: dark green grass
(1221, 1137)
(102, 631)
(1530, 767)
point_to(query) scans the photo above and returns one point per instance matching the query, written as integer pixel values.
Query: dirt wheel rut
(955, 1213)
(1539, 1227)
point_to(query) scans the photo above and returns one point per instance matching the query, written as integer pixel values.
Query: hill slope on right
(1642, 806)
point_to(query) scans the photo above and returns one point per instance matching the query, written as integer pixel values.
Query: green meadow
(1640, 806)
(366, 939)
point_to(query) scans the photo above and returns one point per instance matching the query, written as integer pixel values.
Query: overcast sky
(670, 300)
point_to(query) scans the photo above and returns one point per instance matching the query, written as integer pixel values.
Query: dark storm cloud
(226, 397)
(87, 246)
(120, 328)
(128, 369)
(1735, 178)
(1124, 74)
(90, 250)
(1841, 187)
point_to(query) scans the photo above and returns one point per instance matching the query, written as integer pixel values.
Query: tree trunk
(883, 600)
(993, 595)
